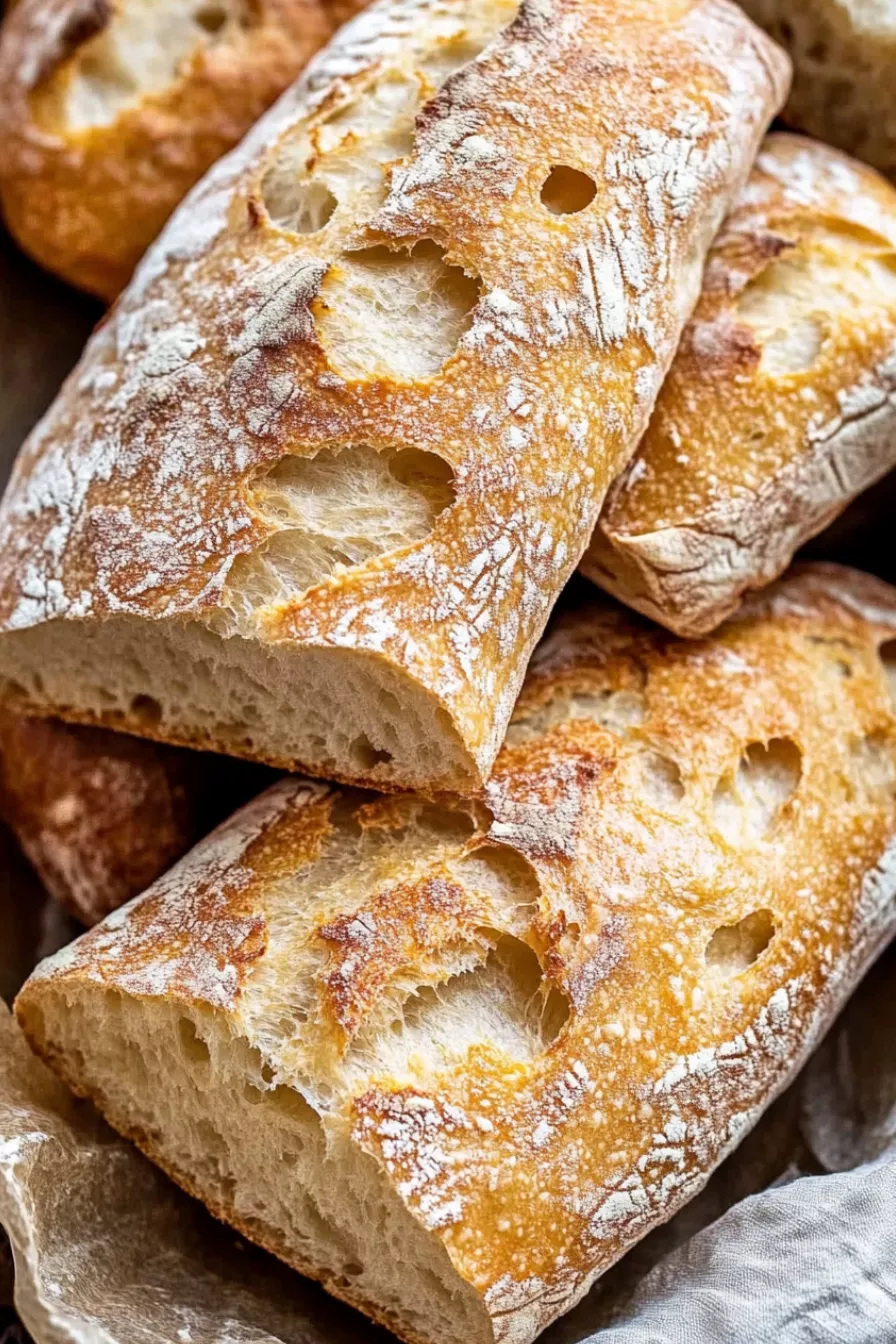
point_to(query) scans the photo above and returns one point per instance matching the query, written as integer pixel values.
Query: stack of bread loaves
(453, 1031)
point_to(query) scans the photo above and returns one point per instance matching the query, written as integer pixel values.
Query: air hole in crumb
(211, 18)
(449, 824)
(505, 1001)
(734, 947)
(389, 703)
(566, 190)
(617, 711)
(366, 756)
(873, 761)
(253, 1094)
(344, 506)
(767, 776)
(299, 206)
(385, 314)
(193, 1046)
(146, 710)
(292, 1104)
(661, 779)
(353, 1269)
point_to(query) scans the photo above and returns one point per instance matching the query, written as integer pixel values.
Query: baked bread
(110, 110)
(101, 815)
(316, 484)
(780, 406)
(844, 56)
(454, 1060)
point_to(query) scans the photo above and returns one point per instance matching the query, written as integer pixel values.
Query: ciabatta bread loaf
(110, 110)
(316, 484)
(454, 1060)
(844, 56)
(101, 815)
(780, 405)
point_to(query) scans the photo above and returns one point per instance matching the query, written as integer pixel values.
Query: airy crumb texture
(110, 112)
(454, 1059)
(314, 487)
(780, 406)
(844, 58)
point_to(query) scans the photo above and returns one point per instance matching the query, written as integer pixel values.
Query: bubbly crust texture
(366, 393)
(541, 1020)
(111, 110)
(780, 406)
(101, 815)
(844, 58)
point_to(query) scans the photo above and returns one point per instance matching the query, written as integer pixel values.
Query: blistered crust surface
(135, 494)
(110, 112)
(699, 843)
(780, 405)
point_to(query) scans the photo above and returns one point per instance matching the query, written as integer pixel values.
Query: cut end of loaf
(341, 714)
(256, 1152)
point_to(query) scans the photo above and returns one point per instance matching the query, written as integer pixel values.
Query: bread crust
(750, 452)
(844, 58)
(667, 800)
(137, 496)
(101, 815)
(87, 200)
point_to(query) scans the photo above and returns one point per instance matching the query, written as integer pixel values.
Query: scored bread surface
(454, 1060)
(110, 111)
(780, 405)
(318, 480)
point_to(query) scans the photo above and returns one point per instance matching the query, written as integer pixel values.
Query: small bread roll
(110, 110)
(844, 57)
(101, 815)
(316, 484)
(780, 406)
(453, 1061)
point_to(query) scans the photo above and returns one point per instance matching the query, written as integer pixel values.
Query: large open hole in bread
(619, 711)
(322, 710)
(341, 507)
(503, 1003)
(793, 302)
(140, 51)
(746, 806)
(385, 314)
(734, 947)
(344, 162)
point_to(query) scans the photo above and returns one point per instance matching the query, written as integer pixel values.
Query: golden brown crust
(780, 405)
(136, 497)
(673, 802)
(87, 200)
(101, 815)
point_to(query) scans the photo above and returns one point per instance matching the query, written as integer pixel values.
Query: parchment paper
(793, 1241)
